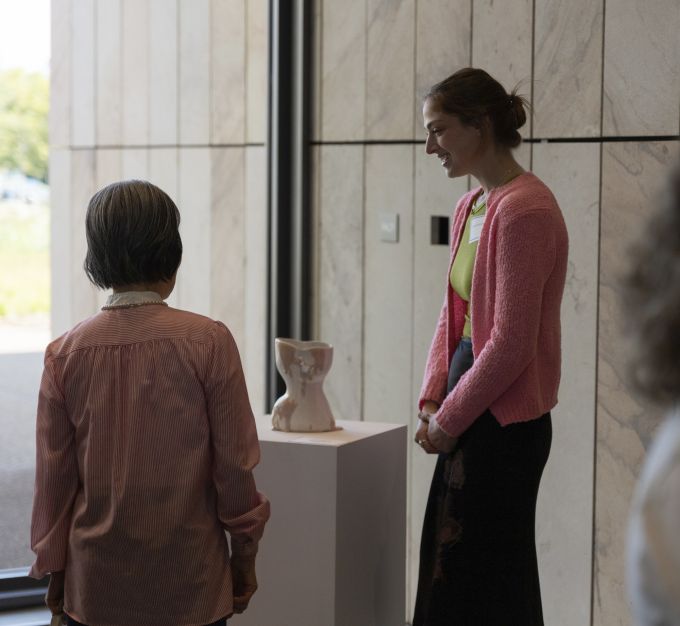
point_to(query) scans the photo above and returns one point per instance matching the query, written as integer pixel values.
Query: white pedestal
(334, 550)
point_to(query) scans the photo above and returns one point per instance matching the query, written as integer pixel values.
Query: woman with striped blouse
(146, 441)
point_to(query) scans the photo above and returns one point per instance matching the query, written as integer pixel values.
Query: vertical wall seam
(472, 25)
(178, 75)
(318, 89)
(211, 156)
(246, 65)
(211, 112)
(411, 378)
(364, 132)
(147, 44)
(318, 174)
(470, 48)
(121, 78)
(593, 567)
(362, 403)
(532, 90)
(95, 73)
(178, 160)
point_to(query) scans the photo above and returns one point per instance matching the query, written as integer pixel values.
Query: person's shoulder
(201, 328)
(526, 194)
(195, 324)
(71, 340)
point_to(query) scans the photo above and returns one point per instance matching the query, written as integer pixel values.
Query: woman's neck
(496, 169)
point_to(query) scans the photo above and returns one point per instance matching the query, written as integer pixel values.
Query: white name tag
(476, 224)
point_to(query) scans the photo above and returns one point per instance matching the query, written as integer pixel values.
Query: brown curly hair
(651, 297)
(471, 94)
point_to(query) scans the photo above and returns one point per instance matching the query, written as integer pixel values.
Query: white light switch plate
(389, 227)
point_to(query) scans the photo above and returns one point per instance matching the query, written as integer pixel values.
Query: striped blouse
(146, 444)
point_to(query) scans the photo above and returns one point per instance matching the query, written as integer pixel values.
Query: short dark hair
(132, 230)
(471, 94)
(652, 300)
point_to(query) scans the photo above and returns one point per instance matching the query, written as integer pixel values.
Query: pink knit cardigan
(517, 286)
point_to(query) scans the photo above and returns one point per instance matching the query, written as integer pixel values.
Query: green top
(464, 261)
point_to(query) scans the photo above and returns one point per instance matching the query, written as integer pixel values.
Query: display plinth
(334, 550)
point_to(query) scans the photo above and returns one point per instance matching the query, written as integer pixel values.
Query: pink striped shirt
(146, 444)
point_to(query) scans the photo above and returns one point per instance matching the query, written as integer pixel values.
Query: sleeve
(56, 478)
(436, 369)
(436, 374)
(242, 510)
(525, 257)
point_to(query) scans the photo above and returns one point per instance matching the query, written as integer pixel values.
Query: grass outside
(24, 260)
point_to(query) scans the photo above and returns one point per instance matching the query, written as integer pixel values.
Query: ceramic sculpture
(303, 365)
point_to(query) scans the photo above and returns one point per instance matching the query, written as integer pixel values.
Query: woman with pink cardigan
(493, 369)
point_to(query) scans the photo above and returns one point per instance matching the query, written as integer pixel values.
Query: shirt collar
(132, 298)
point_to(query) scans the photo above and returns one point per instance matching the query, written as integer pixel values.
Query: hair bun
(517, 105)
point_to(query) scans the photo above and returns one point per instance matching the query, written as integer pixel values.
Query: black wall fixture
(288, 145)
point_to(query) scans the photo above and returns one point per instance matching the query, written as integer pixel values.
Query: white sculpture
(303, 365)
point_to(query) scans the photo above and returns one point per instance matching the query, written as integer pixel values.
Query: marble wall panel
(390, 69)
(108, 169)
(83, 55)
(194, 173)
(442, 46)
(388, 286)
(83, 294)
(109, 78)
(435, 195)
(568, 68)
(501, 44)
(257, 54)
(641, 69)
(565, 506)
(61, 234)
(228, 69)
(315, 260)
(256, 271)
(135, 163)
(163, 173)
(341, 258)
(317, 61)
(227, 240)
(343, 71)
(194, 72)
(61, 63)
(632, 176)
(135, 54)
(524, 155)
(388, 298)
(163, 72)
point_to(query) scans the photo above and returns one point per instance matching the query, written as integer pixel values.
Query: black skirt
(478, 563)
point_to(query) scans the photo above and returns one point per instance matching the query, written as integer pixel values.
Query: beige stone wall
(594, 73)
(175, 92)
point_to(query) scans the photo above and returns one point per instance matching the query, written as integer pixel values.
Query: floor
(19, 383)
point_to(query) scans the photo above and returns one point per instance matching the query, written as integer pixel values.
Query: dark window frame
(19, 591)
(289, 134)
